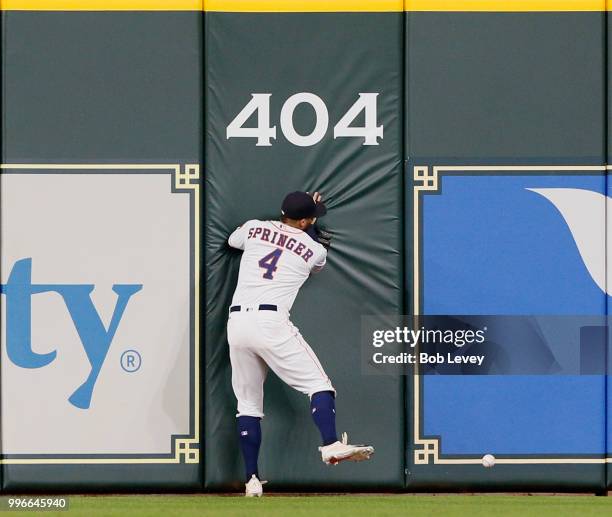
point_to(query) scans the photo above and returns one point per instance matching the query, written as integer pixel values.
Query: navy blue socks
(323, 409)
(249, 431)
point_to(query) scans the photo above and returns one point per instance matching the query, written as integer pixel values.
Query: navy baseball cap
(300, 205)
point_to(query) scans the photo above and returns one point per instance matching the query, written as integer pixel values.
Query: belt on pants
(262, 307)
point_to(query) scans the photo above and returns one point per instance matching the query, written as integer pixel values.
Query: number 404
(264, 132)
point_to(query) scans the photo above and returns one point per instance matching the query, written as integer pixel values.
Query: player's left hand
(324, 238)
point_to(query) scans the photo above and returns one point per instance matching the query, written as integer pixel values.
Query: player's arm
(319, 235)
(239, 236)
(312, 233)
(320, 262)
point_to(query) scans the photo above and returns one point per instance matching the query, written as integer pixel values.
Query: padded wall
(84, 92)
(335, 57)
(523, 95)
(510, 92)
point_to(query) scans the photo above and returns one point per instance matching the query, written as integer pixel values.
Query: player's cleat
(254, 487)
(341, 451)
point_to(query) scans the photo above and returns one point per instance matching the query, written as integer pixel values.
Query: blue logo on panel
(95, 338)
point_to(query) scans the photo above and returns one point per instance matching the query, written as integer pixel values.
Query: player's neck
(292, 224)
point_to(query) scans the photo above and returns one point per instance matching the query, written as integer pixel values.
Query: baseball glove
(324, 237)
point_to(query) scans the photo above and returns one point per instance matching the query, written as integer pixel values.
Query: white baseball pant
(267, 339)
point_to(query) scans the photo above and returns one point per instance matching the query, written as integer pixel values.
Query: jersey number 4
(269, 263)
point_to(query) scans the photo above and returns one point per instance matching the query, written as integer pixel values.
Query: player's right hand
(317, 199)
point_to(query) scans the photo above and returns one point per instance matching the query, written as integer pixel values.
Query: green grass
(334, 506)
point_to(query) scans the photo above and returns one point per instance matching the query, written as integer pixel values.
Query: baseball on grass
(488, 460)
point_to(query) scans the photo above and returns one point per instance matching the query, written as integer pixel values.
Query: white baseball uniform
(277, 260)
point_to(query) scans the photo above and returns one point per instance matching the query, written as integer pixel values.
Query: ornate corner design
(187, 177)
(424, 450)
(425, 179)
(187, 450)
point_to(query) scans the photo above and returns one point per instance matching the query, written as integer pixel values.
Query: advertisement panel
(100, 316)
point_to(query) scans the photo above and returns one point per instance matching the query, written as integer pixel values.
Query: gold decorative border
(308, 6)
(427, 180)
(185, 179)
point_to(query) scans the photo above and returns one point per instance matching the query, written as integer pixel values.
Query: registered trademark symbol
(131, 361)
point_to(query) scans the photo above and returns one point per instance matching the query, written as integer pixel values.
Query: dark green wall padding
(95, 88)
(506, 87)
(284, 54)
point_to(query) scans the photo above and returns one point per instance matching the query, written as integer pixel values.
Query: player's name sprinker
(281, 240)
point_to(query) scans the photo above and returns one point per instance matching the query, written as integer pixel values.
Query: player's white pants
(262, 339)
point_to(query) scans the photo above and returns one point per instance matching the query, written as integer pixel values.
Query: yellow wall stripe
(506, 5)
(304, 5)
(101, 5)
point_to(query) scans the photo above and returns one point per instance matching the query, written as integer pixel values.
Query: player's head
(300, 210)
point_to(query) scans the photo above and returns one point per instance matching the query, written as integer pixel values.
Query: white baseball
(488, 460)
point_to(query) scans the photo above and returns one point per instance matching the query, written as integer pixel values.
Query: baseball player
(278, 257)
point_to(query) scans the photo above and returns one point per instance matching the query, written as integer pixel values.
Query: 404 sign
(264, 132)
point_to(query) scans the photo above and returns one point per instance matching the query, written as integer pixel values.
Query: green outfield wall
(502, 90)
(136, 135)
